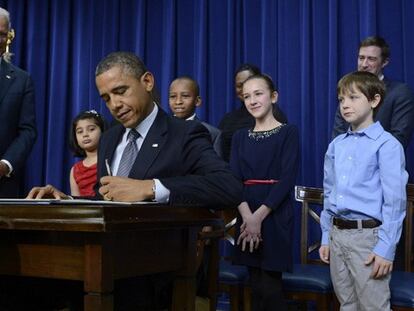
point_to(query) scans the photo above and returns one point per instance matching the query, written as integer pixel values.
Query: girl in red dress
(86, 130)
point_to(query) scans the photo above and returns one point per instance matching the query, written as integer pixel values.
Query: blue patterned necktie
(129, 154)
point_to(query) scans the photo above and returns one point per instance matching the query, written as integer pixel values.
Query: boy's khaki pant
(355, 289)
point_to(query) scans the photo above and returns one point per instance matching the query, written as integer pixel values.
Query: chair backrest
(311, 199)
(408, 231)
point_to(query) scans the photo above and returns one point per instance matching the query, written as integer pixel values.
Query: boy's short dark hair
(378, 42)
(73, 142)
(192, 81)
(367, 83)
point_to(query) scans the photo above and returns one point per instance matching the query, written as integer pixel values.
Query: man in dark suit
(396, 113)
(17, 117)
(184, 97)
(174, 162)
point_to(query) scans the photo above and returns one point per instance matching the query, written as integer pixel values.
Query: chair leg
(247, 298)
(323, 303)
(234, 298)
(213, 303)
(213, 274)
(302, 305)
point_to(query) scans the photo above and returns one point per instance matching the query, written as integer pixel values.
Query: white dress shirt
(162, 194)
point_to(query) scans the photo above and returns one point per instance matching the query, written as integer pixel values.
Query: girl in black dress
(266, 158)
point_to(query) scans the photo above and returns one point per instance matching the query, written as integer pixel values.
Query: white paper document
(66, 202)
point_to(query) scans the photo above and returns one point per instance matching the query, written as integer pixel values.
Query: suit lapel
(6, 78)
(151, 146)
(111, 143)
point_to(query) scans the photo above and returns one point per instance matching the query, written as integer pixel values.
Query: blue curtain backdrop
(306, 46)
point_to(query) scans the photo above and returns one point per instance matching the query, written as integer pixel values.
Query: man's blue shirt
(365, 178)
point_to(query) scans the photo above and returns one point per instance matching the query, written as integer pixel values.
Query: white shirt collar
(142, 129)
(191, 117)
(144, 126)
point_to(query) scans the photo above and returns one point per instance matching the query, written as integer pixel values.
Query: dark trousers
(148, 293)
(267, 294)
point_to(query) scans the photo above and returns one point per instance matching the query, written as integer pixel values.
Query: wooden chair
(310, 280)
(402, 282)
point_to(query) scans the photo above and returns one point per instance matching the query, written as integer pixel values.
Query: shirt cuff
(162, 194)
(9, 166)
(325, 238)
(384, 250)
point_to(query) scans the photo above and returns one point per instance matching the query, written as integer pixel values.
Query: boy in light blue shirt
(364, 199)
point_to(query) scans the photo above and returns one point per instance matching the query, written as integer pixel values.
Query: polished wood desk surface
(98, 244)
(101, 218)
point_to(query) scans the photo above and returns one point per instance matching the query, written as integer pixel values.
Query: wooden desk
(98, 244)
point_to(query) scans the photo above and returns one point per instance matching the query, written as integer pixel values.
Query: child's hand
(252, 242)
(251, 232)
(324, 253)
(242, 227)
(245, 212)
(381, 266)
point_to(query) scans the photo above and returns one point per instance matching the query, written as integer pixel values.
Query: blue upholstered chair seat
(313, 278)
(402, 289)
(232, 274)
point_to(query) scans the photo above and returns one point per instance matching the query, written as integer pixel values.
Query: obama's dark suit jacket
(181, 156)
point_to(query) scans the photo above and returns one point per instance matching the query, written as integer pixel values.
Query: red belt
(260, 181)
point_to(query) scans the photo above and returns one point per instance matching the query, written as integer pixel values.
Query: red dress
(85, 177)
